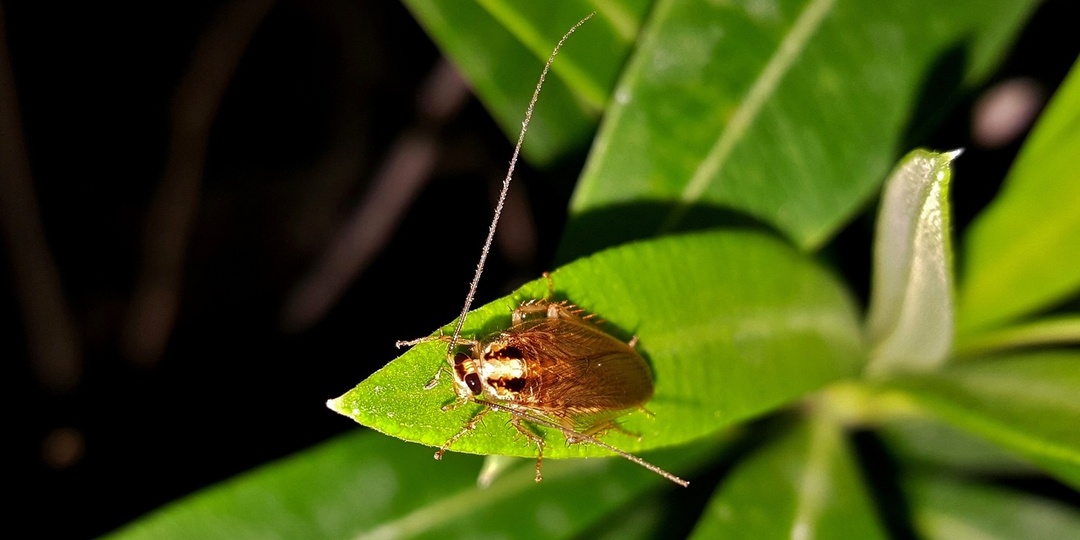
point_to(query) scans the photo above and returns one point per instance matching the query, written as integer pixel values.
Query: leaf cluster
(732, 141)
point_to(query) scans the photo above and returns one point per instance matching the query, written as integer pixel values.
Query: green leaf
(1043, 332)
(1022, 254)
(1027, 403)
(367, 486)
(733, 323)
(791, 111)
(930, 444)
(805, 485)
(910, 321)
(946, 508)
(501, 47)
(644, 518)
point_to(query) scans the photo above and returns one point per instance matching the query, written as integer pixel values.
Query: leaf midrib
(795, 41)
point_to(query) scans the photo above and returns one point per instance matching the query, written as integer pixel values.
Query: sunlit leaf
(790, 111)
(734, 324)
(910, 323)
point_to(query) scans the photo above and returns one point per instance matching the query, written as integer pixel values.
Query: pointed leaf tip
(778, 328)
(336, 406)
(910, 321)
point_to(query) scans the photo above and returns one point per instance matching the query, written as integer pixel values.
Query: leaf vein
(805, 27)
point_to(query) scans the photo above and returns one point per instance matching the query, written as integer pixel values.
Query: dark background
(109, 423)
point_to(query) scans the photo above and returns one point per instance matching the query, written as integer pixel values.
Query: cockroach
(553, 366)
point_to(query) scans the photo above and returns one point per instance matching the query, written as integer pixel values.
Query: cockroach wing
(579, 373)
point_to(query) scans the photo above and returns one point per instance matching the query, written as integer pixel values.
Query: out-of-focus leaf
(501, 47)
(931, 444)
(789, 111)
(948, 509)
(1046, 331)
(368, 486)
(805, 485)
(1022, 254)
(1027, 403)
(911, 304)
(734, 324)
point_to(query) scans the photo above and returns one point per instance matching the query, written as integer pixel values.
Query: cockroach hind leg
(624, 431)
(597, 430)
(569, 433)
(633, 342)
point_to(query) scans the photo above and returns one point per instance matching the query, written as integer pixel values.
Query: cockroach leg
(471, 425)
(596, 430)
(515, 421)
(427, 339)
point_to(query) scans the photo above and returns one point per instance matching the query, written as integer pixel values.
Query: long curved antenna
(506, 187)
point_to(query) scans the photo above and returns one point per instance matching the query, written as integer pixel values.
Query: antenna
(506, 187)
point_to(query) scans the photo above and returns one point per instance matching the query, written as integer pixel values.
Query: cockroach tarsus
(553, 367)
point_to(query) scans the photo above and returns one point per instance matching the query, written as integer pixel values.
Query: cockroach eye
(473, 381)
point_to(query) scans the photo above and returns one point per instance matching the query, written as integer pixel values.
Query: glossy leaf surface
(910, 323)
(734, 324)
(791, 111)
